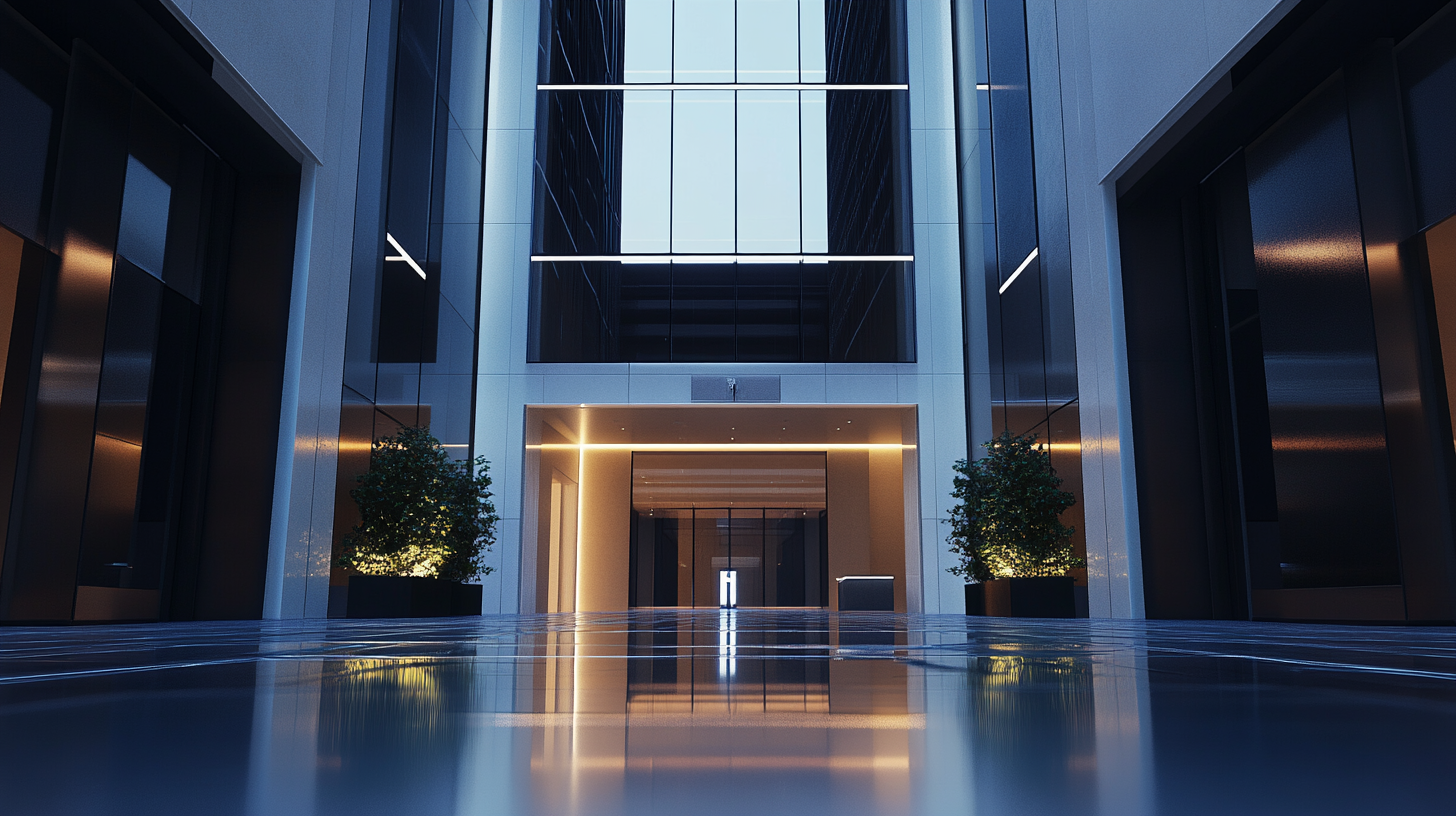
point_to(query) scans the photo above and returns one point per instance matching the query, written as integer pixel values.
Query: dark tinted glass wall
(146, 301)
(1021, 218)
(827, 311)
(410, 352)
(1293, 440)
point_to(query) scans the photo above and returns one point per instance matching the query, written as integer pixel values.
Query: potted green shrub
(1006, 527)
(426, 524)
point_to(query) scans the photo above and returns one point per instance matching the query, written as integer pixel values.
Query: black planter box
(384, 596)
(1023, 598)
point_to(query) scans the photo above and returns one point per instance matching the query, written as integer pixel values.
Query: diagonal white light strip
(402, 256)
(1019, 270)
(701, 259)
(723, 86)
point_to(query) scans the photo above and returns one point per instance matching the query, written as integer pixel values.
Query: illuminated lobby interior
(784, 496)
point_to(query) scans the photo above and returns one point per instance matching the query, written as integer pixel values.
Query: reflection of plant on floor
(1006, 522)
(422, 514)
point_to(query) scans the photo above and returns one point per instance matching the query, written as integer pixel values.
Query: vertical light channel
(768, 171)
(646, 171)
(702, 171)
(814, 146)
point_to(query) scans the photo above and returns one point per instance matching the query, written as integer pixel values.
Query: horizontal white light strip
(1019, 270)
(402, 256)
(727, 446)
(702, 259)
(871, 577)
(724, 86)
(983, 86)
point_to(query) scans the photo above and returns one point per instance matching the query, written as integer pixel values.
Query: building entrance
(712, 505)
(729, 530)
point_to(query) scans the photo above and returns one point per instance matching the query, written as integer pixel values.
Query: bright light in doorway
(728, 588)
(402, 256)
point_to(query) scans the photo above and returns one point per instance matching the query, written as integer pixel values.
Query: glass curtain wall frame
(687, 169)
(1020, 220)
(411, 345)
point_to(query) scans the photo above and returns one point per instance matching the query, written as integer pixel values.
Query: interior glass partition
(717, 551)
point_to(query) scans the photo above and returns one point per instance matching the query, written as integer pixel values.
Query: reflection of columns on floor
(1125, 772)
(494, 762)
(284, 755)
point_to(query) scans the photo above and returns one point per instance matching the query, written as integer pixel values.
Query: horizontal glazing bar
(724, 86)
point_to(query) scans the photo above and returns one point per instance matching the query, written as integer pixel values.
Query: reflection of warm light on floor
(747, 446)
(705, 763)
(776, 719)
(674, 702)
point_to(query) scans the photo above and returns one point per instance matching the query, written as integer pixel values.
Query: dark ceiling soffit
(144, 42)
(1309, 44)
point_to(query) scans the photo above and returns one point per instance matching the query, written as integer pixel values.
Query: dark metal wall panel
(32, 90)
(41, 576)
(1163, 399)
(1332, 470)
(1421, 456)
(244, 443)
(1427, 69)
(28, 278)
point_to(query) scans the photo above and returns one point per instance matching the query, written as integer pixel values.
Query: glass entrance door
(752, 557)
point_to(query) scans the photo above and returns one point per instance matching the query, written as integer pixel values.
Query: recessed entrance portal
(729, 530)
(716, 505)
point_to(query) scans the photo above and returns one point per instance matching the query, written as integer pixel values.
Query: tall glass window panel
(648, 41)
(813, 142)
(646, 171)
(811, 42)
(703, 41)
(768, 45)
(702, 172)
(768, 171)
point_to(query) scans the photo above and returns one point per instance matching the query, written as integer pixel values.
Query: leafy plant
(1007, 519)
(422, 514)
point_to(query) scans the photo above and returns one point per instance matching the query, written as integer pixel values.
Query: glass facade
(721, 181)
(1023, 236)
(410, 351)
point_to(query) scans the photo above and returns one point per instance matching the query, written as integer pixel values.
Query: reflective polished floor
(749, 712)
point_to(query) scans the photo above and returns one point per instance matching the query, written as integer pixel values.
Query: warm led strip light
(724, 86)
(723, 446)
(705, 259)
(1019, 270)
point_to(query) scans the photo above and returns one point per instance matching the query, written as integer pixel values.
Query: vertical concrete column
(937, 384)
(502, 386)
(1109, 481)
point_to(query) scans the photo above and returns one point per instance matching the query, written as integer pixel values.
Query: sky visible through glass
(731, 171)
